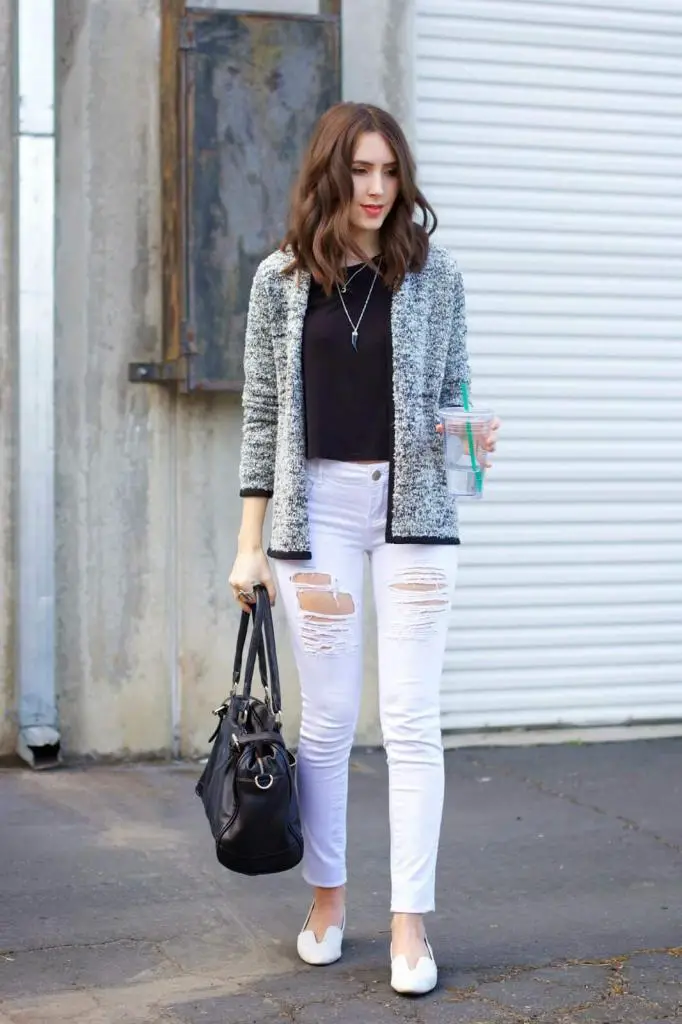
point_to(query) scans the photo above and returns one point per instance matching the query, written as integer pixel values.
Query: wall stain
(70, 18)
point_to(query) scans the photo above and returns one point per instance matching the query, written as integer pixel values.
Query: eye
(359, 170)
(392, 172)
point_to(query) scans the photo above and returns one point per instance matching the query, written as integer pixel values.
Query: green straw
(470, 434)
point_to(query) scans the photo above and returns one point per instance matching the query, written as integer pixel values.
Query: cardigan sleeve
(457, 361)
(259, 397)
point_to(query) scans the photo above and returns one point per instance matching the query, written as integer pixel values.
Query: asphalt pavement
(560, 898)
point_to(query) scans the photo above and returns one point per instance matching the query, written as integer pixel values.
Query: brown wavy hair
(320, 234)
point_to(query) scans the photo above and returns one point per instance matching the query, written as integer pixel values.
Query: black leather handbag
(248, 786)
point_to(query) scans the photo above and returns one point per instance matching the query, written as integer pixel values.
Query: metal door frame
(177, 340)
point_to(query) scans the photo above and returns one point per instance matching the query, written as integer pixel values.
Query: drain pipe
(34, 126)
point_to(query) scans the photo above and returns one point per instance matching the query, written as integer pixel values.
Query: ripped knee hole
(423, 581)
(326, 613)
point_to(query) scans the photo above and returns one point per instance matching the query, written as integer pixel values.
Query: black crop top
(348, 392)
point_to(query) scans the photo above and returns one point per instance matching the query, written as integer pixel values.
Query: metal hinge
(186, 37)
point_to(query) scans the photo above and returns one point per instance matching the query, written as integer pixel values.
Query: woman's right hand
(250, 568)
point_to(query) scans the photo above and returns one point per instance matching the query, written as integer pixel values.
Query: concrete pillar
(114, 471)
(7, 704)
(378, 62)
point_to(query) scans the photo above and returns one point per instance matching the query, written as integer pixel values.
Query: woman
(355, 338)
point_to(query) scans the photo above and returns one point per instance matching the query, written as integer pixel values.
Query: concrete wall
(378, 64)
(6, 386)
(113, 450)
(147, 505)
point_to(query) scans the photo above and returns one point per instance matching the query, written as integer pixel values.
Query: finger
(439, 428)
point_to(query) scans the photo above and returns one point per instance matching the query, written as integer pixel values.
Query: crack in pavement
(80, 945)
(149, 1001)
(621, 958)
(561, 1014)
(617, 989)
(648, 1007)
(628, 823)
(541, 787)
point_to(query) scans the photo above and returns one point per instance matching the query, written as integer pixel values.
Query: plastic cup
(464, 431)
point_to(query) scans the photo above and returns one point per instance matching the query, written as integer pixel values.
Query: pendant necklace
(346, 284)
(355, 327)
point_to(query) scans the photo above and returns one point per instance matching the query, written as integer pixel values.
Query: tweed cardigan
(429, 360)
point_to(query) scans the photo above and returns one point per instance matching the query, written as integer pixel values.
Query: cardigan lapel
(297, 291)
(407, 326)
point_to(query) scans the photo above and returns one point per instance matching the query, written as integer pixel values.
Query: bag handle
(261, 646)
(239, 653)
(263, 636)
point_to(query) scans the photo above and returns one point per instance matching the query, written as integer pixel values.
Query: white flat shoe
(415, 981)
(327, 951)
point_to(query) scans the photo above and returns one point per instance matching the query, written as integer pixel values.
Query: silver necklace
(345, 285)
(355, 327)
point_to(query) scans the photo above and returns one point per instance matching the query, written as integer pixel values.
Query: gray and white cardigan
(428, 327)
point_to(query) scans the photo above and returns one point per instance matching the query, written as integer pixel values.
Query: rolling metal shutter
(549, 140)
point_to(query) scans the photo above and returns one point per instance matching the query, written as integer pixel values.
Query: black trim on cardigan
(291, 556)
(255, 492)
(391, 436)
(424, 540)
(306, 556)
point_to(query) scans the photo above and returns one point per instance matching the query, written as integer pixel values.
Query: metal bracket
(167, 372)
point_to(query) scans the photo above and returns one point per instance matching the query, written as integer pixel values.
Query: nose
(376, 185)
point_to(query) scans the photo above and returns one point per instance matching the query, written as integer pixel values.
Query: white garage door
(549, 138)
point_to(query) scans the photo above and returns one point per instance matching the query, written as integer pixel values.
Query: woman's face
(375, 182)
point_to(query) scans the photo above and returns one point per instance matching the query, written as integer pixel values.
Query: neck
(368, 242)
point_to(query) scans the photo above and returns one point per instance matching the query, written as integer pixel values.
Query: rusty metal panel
(254, 85)
(169, 88)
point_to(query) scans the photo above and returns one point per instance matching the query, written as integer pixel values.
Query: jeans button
(376, 475)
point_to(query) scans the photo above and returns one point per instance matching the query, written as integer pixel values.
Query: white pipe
(174, 618)
(39, 739)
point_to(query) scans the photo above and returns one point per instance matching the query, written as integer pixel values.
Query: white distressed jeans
(413, 586)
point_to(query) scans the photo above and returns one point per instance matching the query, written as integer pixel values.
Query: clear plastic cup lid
(458, 412)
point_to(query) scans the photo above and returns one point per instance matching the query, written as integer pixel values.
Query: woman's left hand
(487, 443)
